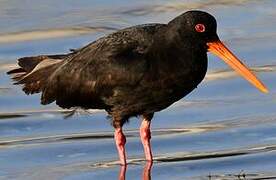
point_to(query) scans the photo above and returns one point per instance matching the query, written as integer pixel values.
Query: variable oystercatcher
(136, 71)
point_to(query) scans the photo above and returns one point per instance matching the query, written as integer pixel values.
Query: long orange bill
(219, 49)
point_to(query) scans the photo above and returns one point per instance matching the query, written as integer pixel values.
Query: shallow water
(225, 129)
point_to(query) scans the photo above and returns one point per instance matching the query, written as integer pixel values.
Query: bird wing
(95, 71)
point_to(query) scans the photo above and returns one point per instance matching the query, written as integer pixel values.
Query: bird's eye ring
(200, 28)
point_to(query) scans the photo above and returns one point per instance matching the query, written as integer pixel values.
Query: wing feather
(96, 71)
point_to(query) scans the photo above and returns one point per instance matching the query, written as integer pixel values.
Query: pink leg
(120, 140)
(145, 138)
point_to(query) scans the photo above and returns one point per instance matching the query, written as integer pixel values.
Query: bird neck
(181, 55)
(167, 41)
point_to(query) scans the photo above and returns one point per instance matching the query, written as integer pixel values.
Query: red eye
(200, 28)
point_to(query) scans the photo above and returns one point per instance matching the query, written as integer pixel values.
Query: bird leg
(145, 136)
(120, 141)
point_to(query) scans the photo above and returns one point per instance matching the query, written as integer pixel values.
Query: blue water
(225, 129)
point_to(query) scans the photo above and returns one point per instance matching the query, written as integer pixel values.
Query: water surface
(225, 129)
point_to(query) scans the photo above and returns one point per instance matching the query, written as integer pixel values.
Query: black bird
(135, 71)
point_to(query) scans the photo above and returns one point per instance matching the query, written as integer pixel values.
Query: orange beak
(219, 49)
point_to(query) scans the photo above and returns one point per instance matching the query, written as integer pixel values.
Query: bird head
(201, 27)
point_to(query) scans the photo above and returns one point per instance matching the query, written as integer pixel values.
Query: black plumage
(135, 71)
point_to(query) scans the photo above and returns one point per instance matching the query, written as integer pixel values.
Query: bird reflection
(147, 171)
(122, 173)
(146, 174)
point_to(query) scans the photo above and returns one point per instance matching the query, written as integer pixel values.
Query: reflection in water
(28, 141)
(228, 73)
(147, 171)
(146, 174)
(51, 33)
(71, 151)
(179, 6)
(122, 173)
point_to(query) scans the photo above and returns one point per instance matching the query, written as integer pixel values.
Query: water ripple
(104, 135)
(180, 6)
(228, 73)
(51, 33)
(174, 157)
(165, 132)
(76, 168)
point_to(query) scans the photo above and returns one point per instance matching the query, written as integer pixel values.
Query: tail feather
(40, 71)
(16, 71)
(34, 71)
